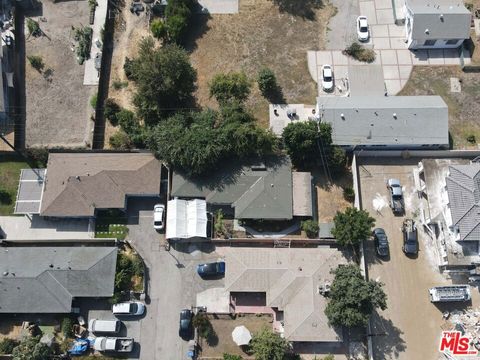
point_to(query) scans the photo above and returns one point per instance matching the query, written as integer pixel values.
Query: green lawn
(111, 224)
(10, 166)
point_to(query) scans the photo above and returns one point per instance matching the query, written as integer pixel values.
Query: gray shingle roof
(454, 24)
(257, 191)
(386, 120)
(78, 183)
(463, 187)
(45, 279)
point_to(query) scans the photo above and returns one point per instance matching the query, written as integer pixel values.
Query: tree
(7, 345)
(165, 80)
(352, 298)
(110, 110)
(231, 357)
(158, 29)
(267, 82)
(31, 348)
(352, 226)
(301, 142)
(202, 324)
(310, 227)
(230, 87)
(268, 345)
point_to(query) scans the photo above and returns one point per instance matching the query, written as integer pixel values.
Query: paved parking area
(411, 326)
(172, 283)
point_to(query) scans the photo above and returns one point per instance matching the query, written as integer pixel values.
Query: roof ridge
(466, 212)
(313, 306)
(49, 273)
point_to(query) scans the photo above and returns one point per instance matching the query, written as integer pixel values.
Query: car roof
(327, 70)
(122, 307)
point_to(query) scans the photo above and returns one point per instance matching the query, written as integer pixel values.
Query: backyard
(463, 106)
(10, 166)
(58, 110)
(111, 224)
(223, 327)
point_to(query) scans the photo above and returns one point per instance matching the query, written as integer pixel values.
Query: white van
(104, 326)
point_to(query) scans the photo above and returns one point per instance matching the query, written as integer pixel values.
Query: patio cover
(186, 219)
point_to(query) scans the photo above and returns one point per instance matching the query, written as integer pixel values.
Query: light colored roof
(186, 219)
(463, 187)
(261, 190)
(78, 183)
(290, 277)
(386, 120)
(302, 193)
(45, 279)
(439, 19)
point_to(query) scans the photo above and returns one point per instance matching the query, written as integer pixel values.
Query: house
(431, 24)
(266, 189)
(78, 184)
(288, 283)
(451, 188)
(48, 278)
(386, 122)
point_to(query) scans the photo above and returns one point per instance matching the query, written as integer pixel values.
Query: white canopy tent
(241, 335)
(186, 219)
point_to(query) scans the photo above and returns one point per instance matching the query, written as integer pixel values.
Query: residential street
(173, 284)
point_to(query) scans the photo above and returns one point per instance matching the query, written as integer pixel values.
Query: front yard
(463, 107)
(10, 166)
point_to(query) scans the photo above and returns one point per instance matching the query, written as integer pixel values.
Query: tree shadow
(276, 96)
(212, 338)
(5, 198)
(302, 8)
(387, 339)
(197, 28)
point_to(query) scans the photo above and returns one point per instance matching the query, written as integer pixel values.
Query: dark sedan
(381, 242)
(410, 237)
(185, 327)
(211, 269)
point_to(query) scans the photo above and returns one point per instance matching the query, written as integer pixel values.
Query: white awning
(186, 219)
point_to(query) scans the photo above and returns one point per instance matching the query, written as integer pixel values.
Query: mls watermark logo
(454, 343)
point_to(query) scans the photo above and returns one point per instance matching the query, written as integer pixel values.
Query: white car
(158, 216)
(362, 28)
(128, 308)
(327, 78)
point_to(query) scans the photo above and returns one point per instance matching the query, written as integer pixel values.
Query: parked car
(396, 196)
(104, 326)
(158, 216)
(410, 237)
(129, 308)
(185, 327)
(113, 344)
(327, 78)
(362, 28)
(211, 269)
(381, 242)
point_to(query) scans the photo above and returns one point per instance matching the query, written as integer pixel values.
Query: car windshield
(411, 238)
(397, 197)
(158, 223)
(133, 308)
(363, 29)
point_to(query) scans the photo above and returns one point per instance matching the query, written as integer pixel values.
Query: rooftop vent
(342, 115)
(394, 115)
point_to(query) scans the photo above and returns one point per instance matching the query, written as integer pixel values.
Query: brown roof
(78, 183)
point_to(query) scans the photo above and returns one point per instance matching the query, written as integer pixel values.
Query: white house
(431, 24)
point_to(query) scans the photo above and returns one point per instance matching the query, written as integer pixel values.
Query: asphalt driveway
(172, 283)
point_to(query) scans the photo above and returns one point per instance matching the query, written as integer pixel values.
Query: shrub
(231, 357)
(117, 84)
(228, 87)
(349, 193)
(128, 68)
(471, 139)
(93, 101)
(84, 38)
(202, 324)
(127, 121)
(311, 228)
(7, 345)
(360, 52)
(67, 327)
(33, 28)
(38, 155)
(120, 141)
(92, 4)
(110, 110)
(158, 29)
(267, 82)
(36, 61)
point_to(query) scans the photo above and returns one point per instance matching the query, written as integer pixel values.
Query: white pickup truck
(113, 344)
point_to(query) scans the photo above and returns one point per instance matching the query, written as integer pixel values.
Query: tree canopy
(197, 142)
(352, 226)
(165, 80)
(230, 87)
(352, 298)
(31, 348)
(268, 345)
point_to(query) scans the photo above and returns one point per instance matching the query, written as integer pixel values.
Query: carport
(30, 190)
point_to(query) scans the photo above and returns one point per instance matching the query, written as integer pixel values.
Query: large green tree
(352, 226)
(352, 298)
(31, 349)
(197, 142)
(234, 86)
(268, 345)
(165, 80)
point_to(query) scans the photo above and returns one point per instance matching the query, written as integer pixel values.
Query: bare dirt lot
(261, 35)
(223, 329)
(463, 107)
(58, 109)
(411, 326)
(330, 197)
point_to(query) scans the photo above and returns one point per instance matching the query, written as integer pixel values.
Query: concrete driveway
(172, 283)
(342, 26)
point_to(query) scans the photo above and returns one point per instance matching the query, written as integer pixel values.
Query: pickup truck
(113, 344)
(396, 196)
